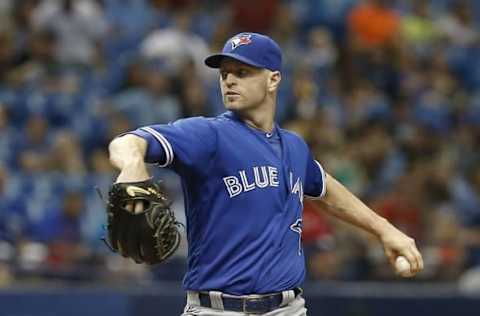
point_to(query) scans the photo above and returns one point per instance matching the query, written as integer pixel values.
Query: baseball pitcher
(244, 180)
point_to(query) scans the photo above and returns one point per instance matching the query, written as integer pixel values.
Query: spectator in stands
(152, 100)
(22, 20)
(9, 136)
(7, 53)
(79, 26)
(458, 25)
(177, 45)
(61, 230)
(373, 44)
(66, 155)
(40, 61)
(373, 24)
(62, 223)
(419, 29)
(321, 54)
(193, 97)
(466, 193)
(14, 221)
(446, 249)
(433, 107)
(403, 205)
(32, 154)
(253, 15)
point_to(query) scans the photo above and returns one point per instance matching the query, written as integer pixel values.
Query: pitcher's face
(243, 87)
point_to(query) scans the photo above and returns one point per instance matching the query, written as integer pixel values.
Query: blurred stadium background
(387, 94)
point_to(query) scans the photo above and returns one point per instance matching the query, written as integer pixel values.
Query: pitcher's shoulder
(226, 118)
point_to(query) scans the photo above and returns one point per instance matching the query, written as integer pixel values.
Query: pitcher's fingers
(419, 259)
(415, 256)
(391, 256)
(412, 259)
(138, 207)
(129, 206)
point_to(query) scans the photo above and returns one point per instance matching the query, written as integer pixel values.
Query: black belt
(250, 305)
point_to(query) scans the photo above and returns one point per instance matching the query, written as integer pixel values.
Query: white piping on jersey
(324, 185)
(164, 142)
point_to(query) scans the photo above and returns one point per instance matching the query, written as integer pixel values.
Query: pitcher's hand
(395, 244)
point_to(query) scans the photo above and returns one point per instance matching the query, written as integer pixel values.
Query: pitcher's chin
(233, 105)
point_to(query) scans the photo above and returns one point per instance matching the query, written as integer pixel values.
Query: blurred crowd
(386, 93)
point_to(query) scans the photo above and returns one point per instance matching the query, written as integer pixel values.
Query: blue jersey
(243, 200)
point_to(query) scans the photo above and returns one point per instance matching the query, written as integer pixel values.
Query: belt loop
(287, 297)
(216, 299)
(193, 298)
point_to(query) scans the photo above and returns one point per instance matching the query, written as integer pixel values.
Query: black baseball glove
(147, 236)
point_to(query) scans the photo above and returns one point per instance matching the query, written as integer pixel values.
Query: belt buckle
(257, 305)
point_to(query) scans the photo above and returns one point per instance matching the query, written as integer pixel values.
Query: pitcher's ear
(274, 78)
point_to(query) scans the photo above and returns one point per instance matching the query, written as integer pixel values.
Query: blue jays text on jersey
(243, 191)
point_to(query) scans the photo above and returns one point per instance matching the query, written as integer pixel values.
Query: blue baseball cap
(254, 49)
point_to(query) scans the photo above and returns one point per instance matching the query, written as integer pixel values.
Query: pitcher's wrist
(133, 171)
(382, 227)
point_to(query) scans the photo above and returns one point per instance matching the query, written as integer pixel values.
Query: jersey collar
(275, 131)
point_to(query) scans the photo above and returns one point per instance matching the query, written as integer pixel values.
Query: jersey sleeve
(315, 185)
(186, 143)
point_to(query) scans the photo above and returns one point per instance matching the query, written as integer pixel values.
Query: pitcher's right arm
(127, 153)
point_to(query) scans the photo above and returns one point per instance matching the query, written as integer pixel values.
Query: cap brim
(213, 61)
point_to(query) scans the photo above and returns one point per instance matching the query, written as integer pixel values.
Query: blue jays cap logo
(242, 39)
(258, 51)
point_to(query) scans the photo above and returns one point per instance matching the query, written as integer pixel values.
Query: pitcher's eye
(242, 72)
